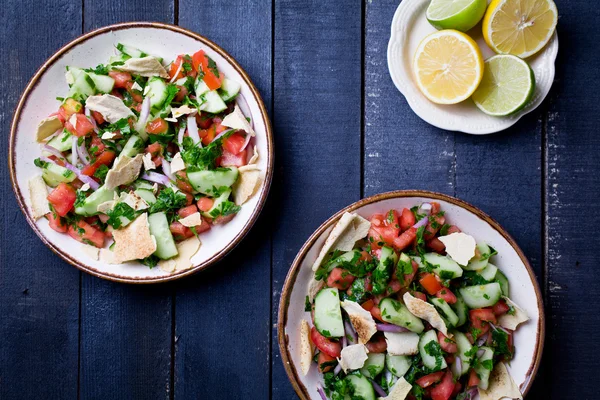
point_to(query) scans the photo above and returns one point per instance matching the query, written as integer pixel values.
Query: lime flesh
(461, 15)
(507, 86)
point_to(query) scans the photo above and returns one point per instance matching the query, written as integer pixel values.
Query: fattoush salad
(142, 157)
(406, 306)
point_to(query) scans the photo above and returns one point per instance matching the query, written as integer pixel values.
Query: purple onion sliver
(176, 72)
(74, 150)
(53, 151)
(421, 223)
(457, 367)
(83, 153)
(378, 388)
(337, 369)
(349, 329)
(245, 108)
(247, 140)
(321, 392)
(344, 341)
(83, 178)
(88, 114)
(145, 111)
(482, 340)
(155, 177)
(166, 167)
(223, 134)
(480, 353)
(391, 328)
(180, 135)
(498, 327)
(250, 153)
(193, 129)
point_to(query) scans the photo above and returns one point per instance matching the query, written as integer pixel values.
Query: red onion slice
(144, 112)
(321, 392)
(378, 388)
(83, 153)
(391, 328)
(180, 135)
(193, 129)
(480, 353)
(220, 135)
(457, 367)
(156, 177)
(88, 114)
(177, 72)
(421, 223)
(424, 208)
(337, 369)
(482, 340)
(83, 178)
(349, 330)
(53, 151)
(498, 327)
(244, 107)
(166, 167)
(74, 150)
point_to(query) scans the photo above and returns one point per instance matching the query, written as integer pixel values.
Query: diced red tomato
(62, 199)
(435, 222)
(117, 93)
(446, 295)
(70, 107)
(189, 199)
(156, 151)
(377, 344)
(408, 278)
(83, 126)
(187, 211)
(447, 344)
(368, 305)
(234, 143)
(324, 361)
(212, 76)
(229, 159)
(56, 223)
(180, 96)
(453, 229)
(407, 219)
(207, 135)
(384, 228)
(430, 379)
(180, 231)
(96, 146)
(436, 245)
(218, 126)
(394, 286)
(449, 358)
(136, 95)
(326, 345)
(121, 79)
(157, 126)
(99, 118)
(500, 308)
(175, 68)
(203, 120)
(457, 389)
(430, 283)
(182, 181)
(405, 239)
(339, 278)
(205, 203)
(480, 316)
(376, 313)
(444, 389)
(86, 233)
(473, 379)
(220, 220)
(419, 295)
(103, 159)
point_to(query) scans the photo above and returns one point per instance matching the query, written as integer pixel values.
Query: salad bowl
(299, 286)
(165, 42)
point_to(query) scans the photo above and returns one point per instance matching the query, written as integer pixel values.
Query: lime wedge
(461, 15)
(508, 84)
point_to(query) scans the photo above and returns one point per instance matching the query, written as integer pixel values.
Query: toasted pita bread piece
(107, 257)
(111, 107)
(314, 287)
(516, 317)
(148, 163)
(177, 163)
(346, 232)
(402, 343)
(501, 385)
(424, 310)
(47, 127)
(237, 120)
(361, 320)
(306, 349)
(134, 241)
(183, 260)
(399, 391)
(254, 158)
(125, 170)
(38, 194)
(91, 251)
(459, 246)
(145, 66)
(247, 184)
(194, 219)
(353, 357)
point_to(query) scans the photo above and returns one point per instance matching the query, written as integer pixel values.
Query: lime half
(461, 15)
(508, 84)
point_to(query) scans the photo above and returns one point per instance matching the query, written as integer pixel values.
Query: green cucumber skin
(328, 313)
(396, 313)
(481, 296)
(159, 228)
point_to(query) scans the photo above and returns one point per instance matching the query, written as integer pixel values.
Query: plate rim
(123, 278)
(440, 123)
(292, 274)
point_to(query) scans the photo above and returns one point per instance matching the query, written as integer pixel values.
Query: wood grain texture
(223, 315)
(126, 331)
(317, 115)
(39, 293)
(572, 183)
(401, 151)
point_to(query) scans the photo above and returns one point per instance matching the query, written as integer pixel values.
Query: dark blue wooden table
(342, 132)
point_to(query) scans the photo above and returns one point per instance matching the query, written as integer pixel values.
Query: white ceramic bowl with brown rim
(524, 290)
(89, 50)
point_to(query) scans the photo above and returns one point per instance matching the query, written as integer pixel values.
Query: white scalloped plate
(409, 27)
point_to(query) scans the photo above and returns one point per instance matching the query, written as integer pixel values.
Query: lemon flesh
(519, 27)
(448, 66)
(507, 86)
(461, 15)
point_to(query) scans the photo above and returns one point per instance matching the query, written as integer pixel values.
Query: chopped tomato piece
(207, 135)
(103, 159)
(180, 96)
(180, 231)
(377, 344)
(326, 345)
(182, 181)
(121, 79)
(62, 199)
(430, 283)
(419, 295)
(205, 203)
(453, 229)
(473, 379)
(223, 219)
(430, 379)
(444, 389)
(480, 316)
(212, 76)
(229, 159)
(86, 233)
(56, 223)
(187, 211)
(157, 126)
(447, 344)
(83, 126)
(99, 118)
(96, 146)
(384, 228)
(407, 219)
(70, 107)
(203, 120)
(156, 151)
(436, 245)
(405, 239)
(136, 95)
(175, 69)
(435, 222)
(500, 308)
(368, 305)
(234, 143)
(339, 278)
(325, 362)
(445, 294)
(376, 313)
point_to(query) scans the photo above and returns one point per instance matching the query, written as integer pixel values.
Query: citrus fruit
(448, 66)
(519, 27)
(461, 15)
(507, 86)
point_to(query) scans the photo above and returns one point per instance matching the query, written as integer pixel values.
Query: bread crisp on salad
(147, 155)
(406, 306)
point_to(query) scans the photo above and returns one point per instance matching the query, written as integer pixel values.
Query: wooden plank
(126, 331)
(223, 315)
(317, 109)
(401, 151)
(572, 183)
(39, 293)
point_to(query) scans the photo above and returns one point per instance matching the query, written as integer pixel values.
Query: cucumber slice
(398, 365)
(212, 103)
(142, 184)
(200, 87)
(217, 204)
(445, 311)
(147, 195)
(61, 142)
(72, 74)
(205, 181)
(229, 89)
(159, 228)
(118, 59)
(489, 272)
(444, 266)
(479, 263)
(82, 87)
(503, 281)
(156, 89)
(464, 347)
(90, 205)
(363, 389)
(396, 313)
(382, 274)
(104, 83)
(374, 365)
(134, 145)
(130, 51)
(54, 174)
(482, 295)
(328, 314)
(486, 360)
(431, 352)
(461, 310)
(348, 256)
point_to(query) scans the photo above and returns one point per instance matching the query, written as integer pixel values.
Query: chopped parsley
(101, 172)
(212, 66)
(39, 163)
(100, 69)
(150, 261)
(201, 157)
(120, 210)
(80, 198)
(168, 200)
(307, 305)
(434, 350)
(224, 209)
